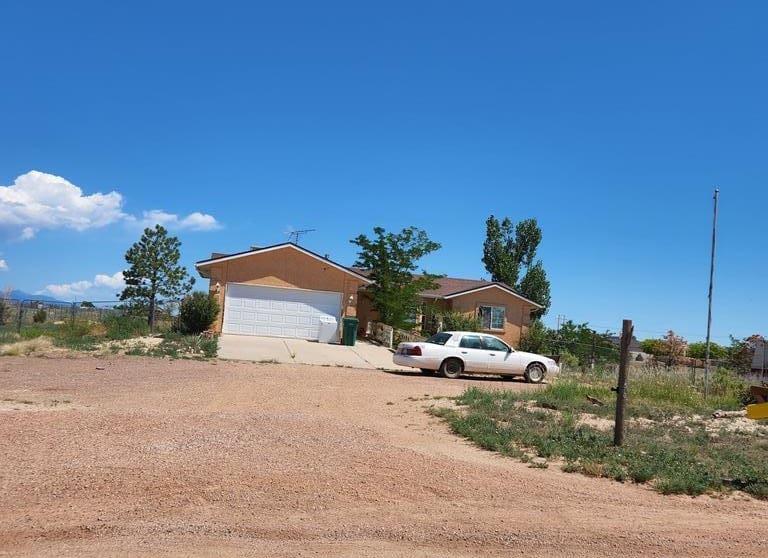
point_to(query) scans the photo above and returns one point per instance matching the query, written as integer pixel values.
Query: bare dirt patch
(176, 457)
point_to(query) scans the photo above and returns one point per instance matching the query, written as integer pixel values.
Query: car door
(501, 357)
(473, 353)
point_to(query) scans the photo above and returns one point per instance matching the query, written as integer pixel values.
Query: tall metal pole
(709, 310)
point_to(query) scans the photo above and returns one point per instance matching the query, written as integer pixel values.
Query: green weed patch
(672, 448)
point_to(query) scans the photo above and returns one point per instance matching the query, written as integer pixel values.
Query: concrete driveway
(301, 351)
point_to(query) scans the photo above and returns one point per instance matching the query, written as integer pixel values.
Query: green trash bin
(349, 331)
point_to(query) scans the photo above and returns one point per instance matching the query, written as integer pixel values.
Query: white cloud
(114, 281)
(99, 286)
(3, 265)
(38, 200)
(194, 221)
(69, 290)
(199, 222)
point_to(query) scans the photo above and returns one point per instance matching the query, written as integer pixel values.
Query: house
(286, 290)
(282, 291)
(760, 357)
(502, 311)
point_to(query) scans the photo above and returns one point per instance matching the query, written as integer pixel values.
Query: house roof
(452, 287)
(218, 258)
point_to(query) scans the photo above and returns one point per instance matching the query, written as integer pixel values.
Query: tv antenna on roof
(297, 235)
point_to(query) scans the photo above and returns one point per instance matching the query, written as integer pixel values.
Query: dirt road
(134, 456)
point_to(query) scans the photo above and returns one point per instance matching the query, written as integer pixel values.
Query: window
(491, 317)
(471, 342)
(493, 344)
(439, 338)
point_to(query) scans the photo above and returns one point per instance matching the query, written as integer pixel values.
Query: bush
(124, 327)
(197, 313)
(458, 321)
(40, 316)
(5, 311)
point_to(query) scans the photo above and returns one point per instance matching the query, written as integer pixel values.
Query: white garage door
(276, 312)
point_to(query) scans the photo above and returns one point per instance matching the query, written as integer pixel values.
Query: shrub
(125, 326)
(458, 321)
(197, 313)
(5, 311)
(39, 316)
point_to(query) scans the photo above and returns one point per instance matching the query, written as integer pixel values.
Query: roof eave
(206, 263)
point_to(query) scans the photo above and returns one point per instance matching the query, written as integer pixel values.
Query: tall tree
(509, 250)
(535, 287)
(499, 259)
(154, 273)
(391, 259)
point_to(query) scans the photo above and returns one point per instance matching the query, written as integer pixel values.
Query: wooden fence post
(621, 389)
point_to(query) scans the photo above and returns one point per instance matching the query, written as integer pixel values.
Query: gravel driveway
(134, 456)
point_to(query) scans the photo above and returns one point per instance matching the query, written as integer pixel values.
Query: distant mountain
(21, 295)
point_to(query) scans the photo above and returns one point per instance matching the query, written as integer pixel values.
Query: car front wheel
(534, 373)
(452, 368)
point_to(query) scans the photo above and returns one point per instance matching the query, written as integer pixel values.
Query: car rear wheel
(534, 373)
(452, 368)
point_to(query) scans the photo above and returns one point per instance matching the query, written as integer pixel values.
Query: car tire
(452, 368)
(427, 371)
(535, 373)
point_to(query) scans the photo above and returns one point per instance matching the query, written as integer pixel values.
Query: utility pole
(709, 310)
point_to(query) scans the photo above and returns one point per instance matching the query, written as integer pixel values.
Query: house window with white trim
(491, 317)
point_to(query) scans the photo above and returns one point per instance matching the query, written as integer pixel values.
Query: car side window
(471, 342)
(493, 344)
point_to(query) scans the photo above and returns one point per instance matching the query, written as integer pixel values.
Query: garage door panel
(272, 311)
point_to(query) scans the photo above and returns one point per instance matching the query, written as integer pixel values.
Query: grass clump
(125, 327)
(177, 345)
(672, 449)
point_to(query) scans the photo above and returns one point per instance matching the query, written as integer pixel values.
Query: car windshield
(439, 338)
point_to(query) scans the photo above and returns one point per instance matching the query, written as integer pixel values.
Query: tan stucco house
(502, 311)
(287, 291)
(283, 291)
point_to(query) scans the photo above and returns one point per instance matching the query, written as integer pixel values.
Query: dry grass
(27, 347)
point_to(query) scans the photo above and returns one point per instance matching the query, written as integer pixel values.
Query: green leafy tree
(197, 313)
(509, 250)
(699, 350)
(537, 339)
(742, 351)
(653, 347)
(535, 287)
(586, 344)
(40, 316)
(154, 274)
(5, 306)
(499, 254)
(391, 260)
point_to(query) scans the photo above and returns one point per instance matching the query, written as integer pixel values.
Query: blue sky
(233, 123)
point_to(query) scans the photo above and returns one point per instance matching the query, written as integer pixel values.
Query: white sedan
(454, 353)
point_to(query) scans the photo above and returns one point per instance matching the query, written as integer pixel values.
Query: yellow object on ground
(757, 411)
